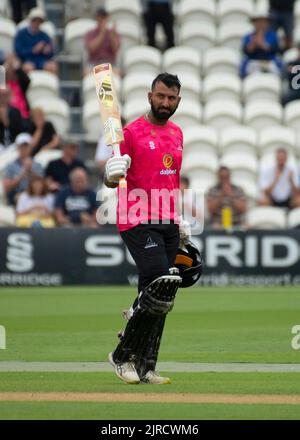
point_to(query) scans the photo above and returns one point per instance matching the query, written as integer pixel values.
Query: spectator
(155, 12)
(76, 203)
(33, 46)
(282, 17)
(18, 82)
(18, 173)
(260, 48)
(35, 206)
(103, 42)
(291, 75)
(57, 171)
(20, 9)
(226, 202)
(279, 184)
(44, 136)
(11, 122)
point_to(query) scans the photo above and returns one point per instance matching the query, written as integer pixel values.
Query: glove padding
(117, 167)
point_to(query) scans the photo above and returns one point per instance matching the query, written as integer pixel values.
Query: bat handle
(122, 180)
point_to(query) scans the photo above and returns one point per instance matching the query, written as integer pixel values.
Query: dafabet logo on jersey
(168, 162)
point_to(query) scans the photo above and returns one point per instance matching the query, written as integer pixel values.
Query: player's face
(164, 101)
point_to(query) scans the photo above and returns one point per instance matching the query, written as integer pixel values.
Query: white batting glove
(117, 167)
(184, 230)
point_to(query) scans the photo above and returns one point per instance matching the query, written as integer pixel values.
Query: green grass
(206, 325)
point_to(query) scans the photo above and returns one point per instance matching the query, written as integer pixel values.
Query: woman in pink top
(18, 82)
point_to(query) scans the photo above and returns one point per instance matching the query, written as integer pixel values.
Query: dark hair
(101, 12)
(168, 79)
(185, 180)
(224, 168)
(36, 178)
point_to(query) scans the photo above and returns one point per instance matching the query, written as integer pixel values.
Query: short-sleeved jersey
(154, 175)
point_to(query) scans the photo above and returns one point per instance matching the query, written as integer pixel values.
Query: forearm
(240, 206)
(10, 184)
(52, 144)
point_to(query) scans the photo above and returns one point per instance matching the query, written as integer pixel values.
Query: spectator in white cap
(18, 173)
(33, 46)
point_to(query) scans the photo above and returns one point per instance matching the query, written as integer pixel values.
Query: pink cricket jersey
(154, 175)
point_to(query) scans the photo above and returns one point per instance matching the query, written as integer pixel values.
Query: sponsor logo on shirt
(168, 162)
(152, 145)
(150, 243)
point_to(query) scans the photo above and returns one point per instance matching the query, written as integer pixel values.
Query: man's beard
(162, 115)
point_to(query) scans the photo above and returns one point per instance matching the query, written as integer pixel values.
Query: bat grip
(122, 180)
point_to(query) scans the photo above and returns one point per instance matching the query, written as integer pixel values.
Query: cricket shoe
(125, 371)
(154, 378)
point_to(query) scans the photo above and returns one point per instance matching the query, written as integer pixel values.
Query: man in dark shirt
(57, 171)
(282, 17)
(76, 203)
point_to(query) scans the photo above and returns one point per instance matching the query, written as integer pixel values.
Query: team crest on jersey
(168, 160)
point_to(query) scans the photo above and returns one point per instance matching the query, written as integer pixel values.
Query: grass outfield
(206, 325)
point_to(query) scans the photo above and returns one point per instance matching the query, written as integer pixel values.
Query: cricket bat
(109, 110)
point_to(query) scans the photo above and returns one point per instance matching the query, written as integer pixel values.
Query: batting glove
(117, 167)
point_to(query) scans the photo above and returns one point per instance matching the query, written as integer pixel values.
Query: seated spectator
(11, 122)
(260, 48)
(291, 75)
(44, 136)
(19, 172)
(282, 17)
(57, 171)
(102, 43)
(279, 184)
(76, 203)
(35, 206)
(20, 9)
(226, 202)
(158, 12)
(33, 46)
(18, 82)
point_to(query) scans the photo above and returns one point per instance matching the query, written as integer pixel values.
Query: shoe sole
(112, 363)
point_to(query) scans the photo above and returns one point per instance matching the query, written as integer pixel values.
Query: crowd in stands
(60, 194)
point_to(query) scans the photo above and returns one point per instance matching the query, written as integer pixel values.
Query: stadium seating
(42, 83)
(7, 34)
(238, 139)
(195, 11)
(7, 216)
(262, 86)
(234, 11)
(91, 120)
(200, 38)
(74, 35)
(57, 111)
(222, 86)
(134, 108)
(200, 138)
(120, 11)
(293, 218)
(189, 113)
(201, 169)
(221, 114)
(182, 59)
(231, 34)
(137, 85)
(271, 138)
(191, 87)
(243, 165)
(292, 114)
(221, 60)
(142, 59)
(268, 217)
(131, 35)
(259, 114)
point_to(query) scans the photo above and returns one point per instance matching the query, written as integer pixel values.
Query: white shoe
(126, 371)
(154, 378)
